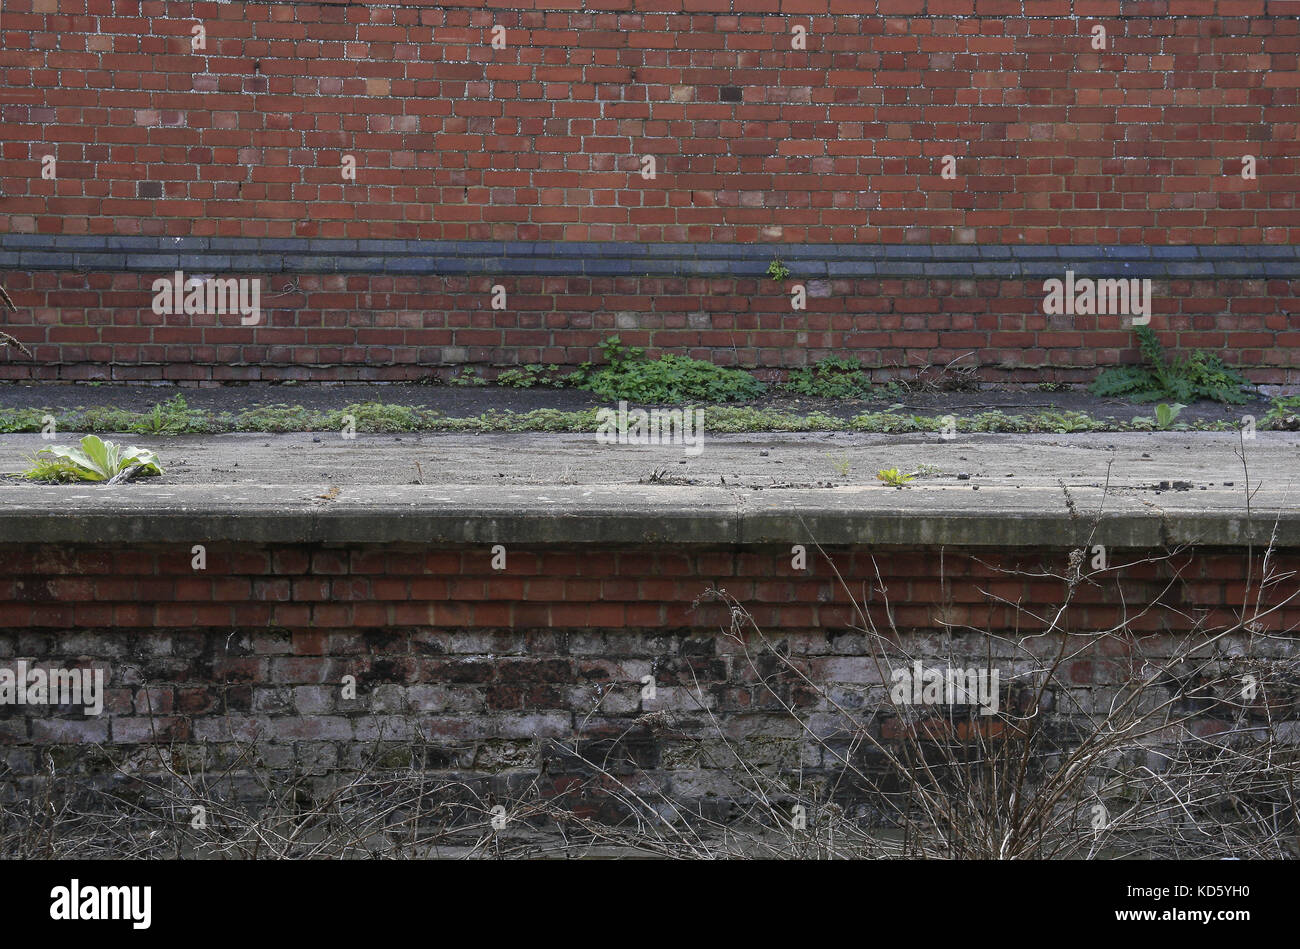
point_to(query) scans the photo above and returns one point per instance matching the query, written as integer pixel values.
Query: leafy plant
(529, 377)
(276, 418)
(1198, 376)
(1130, 382)
(841, 465)
(95, 460)
(388, 417)
(106, 418)
(466, 377)
(1283, 414)
(629, 375)
(1163, 419)
(777, 270)
(1165, 413)
(21, 420)
(376, 417)
(893, 477)
(173, 417)
(1211, 379)
(832, 378)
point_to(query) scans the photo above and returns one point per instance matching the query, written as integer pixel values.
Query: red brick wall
(472, 670)
(1056, 142)
(554, 646)
(317, 592)
(756, 143)
(385, 328)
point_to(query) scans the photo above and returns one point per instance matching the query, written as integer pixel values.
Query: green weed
(832, 378)
(1198, 376)
(668, 379)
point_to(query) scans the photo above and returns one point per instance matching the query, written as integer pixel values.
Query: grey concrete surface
(1020, 490)
(762, 460)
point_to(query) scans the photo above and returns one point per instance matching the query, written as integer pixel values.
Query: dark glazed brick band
(612, 258)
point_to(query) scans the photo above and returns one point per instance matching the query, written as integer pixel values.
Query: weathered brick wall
(476, 670)
(541, 140)
(99, 326)
(761, 150)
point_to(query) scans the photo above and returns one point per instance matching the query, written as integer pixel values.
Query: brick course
(85, 326)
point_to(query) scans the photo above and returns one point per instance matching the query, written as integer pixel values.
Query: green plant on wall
(530, 377)
(1197, 376)
(833, 378)
(466, 377)
(629, 375)
(777, 270)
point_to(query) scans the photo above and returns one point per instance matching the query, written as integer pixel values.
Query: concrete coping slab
(630, 514)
